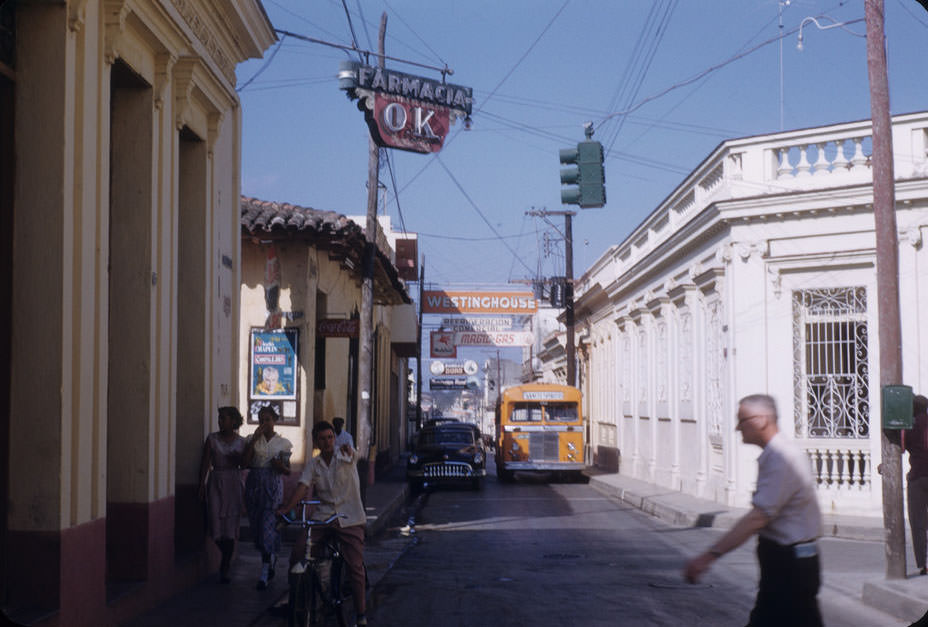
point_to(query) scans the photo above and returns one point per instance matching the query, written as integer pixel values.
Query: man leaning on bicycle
(332, 479)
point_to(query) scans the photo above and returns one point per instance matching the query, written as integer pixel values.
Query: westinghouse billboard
(440, 301)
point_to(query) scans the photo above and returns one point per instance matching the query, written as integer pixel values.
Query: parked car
(447, 454)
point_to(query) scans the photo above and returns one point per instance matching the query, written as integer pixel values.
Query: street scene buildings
(756, 273)
(144, 285)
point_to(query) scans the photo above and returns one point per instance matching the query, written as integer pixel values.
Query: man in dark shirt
(915, 441)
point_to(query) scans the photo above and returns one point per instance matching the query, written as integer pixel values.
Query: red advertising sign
(442, 345)
(338, 327)
(408, 125)
(404, 111)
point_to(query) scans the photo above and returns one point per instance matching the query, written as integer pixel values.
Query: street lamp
(780, 5)
(826, 27)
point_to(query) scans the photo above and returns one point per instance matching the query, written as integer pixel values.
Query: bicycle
(317, 582)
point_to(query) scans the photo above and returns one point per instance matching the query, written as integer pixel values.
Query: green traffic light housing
(588, 175)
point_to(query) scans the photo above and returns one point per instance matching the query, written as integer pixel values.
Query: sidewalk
(906, 599)
(238, 604)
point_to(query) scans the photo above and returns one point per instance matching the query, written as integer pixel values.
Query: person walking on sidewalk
(332, 479)
(915, 441)
(267, 455)
(787, 519)
(341, 436)
(221, 484)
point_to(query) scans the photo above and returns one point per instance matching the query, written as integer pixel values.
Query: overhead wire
(264, 66)
(707, 71)
(413, 31)
(477, 209)
(638, 67)
(501, 82)
(513, 263)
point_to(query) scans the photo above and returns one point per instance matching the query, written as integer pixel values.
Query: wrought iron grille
(830, 363)
(715, 365)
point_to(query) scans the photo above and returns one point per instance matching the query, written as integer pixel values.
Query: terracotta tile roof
(264, 215)
(344, 239)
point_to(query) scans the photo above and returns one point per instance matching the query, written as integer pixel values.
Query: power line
(264, 66)
(706, 72)
(479, 212)
(406, 24)
(495, 89)
(650, 53)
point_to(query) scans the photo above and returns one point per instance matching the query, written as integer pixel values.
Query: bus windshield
(561, 412)
(525, 412)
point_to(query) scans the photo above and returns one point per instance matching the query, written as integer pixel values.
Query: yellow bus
(539, 427)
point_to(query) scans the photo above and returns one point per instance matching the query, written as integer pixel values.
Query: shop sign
(403, 111)
(442, 344)
(493, 338)
(448, 383)
(441, 301)
(400, 123)
(338, 327)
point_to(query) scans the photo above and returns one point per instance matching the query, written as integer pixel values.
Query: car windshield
(446, 436)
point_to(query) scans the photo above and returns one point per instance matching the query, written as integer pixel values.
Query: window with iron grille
(830, 363)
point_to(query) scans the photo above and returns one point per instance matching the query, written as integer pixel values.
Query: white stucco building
(757, 274)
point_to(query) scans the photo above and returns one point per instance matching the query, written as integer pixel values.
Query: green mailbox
(897, 407)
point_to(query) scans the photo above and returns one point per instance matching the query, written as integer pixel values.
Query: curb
(679, 509)
(377, 523)
(895, 598)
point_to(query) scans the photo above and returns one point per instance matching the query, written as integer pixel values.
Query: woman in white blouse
(267, 456)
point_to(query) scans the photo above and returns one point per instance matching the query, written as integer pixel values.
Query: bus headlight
(413, 459)
(570, 445)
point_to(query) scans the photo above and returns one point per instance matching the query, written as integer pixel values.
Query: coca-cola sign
(337, 327)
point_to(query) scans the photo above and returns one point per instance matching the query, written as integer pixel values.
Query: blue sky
(539, 70)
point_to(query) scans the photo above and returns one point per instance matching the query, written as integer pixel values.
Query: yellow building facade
(120, 161)
(301, 273)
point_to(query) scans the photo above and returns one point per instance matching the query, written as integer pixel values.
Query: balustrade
(842, 468)
(823, 157)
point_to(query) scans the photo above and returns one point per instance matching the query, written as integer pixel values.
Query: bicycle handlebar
(304, 522)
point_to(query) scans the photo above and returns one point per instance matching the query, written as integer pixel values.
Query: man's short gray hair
(764, 400)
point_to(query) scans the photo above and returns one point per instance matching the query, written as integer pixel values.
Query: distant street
(538, 553)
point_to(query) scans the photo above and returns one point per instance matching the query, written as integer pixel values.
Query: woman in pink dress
(221, 484)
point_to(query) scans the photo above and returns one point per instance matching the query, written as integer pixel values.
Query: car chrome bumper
(446, 470)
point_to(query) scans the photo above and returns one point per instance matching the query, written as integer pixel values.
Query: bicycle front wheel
(301, 600)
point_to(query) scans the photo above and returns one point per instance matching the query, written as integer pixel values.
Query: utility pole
(366, 326)
(568, 287)
(419, 349)
(569, 297)
(887, 280)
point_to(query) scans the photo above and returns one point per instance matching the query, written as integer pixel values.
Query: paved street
(542, 553)
(562, 553)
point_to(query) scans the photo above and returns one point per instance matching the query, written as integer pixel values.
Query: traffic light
(588, 174)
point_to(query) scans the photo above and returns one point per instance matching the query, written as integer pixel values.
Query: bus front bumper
(544, 465)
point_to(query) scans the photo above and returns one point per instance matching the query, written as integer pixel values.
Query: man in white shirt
(341, 437)
(785, 516)
(332, 479)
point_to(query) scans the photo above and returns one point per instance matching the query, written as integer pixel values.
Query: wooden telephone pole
(887, 280)
(366, 325)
